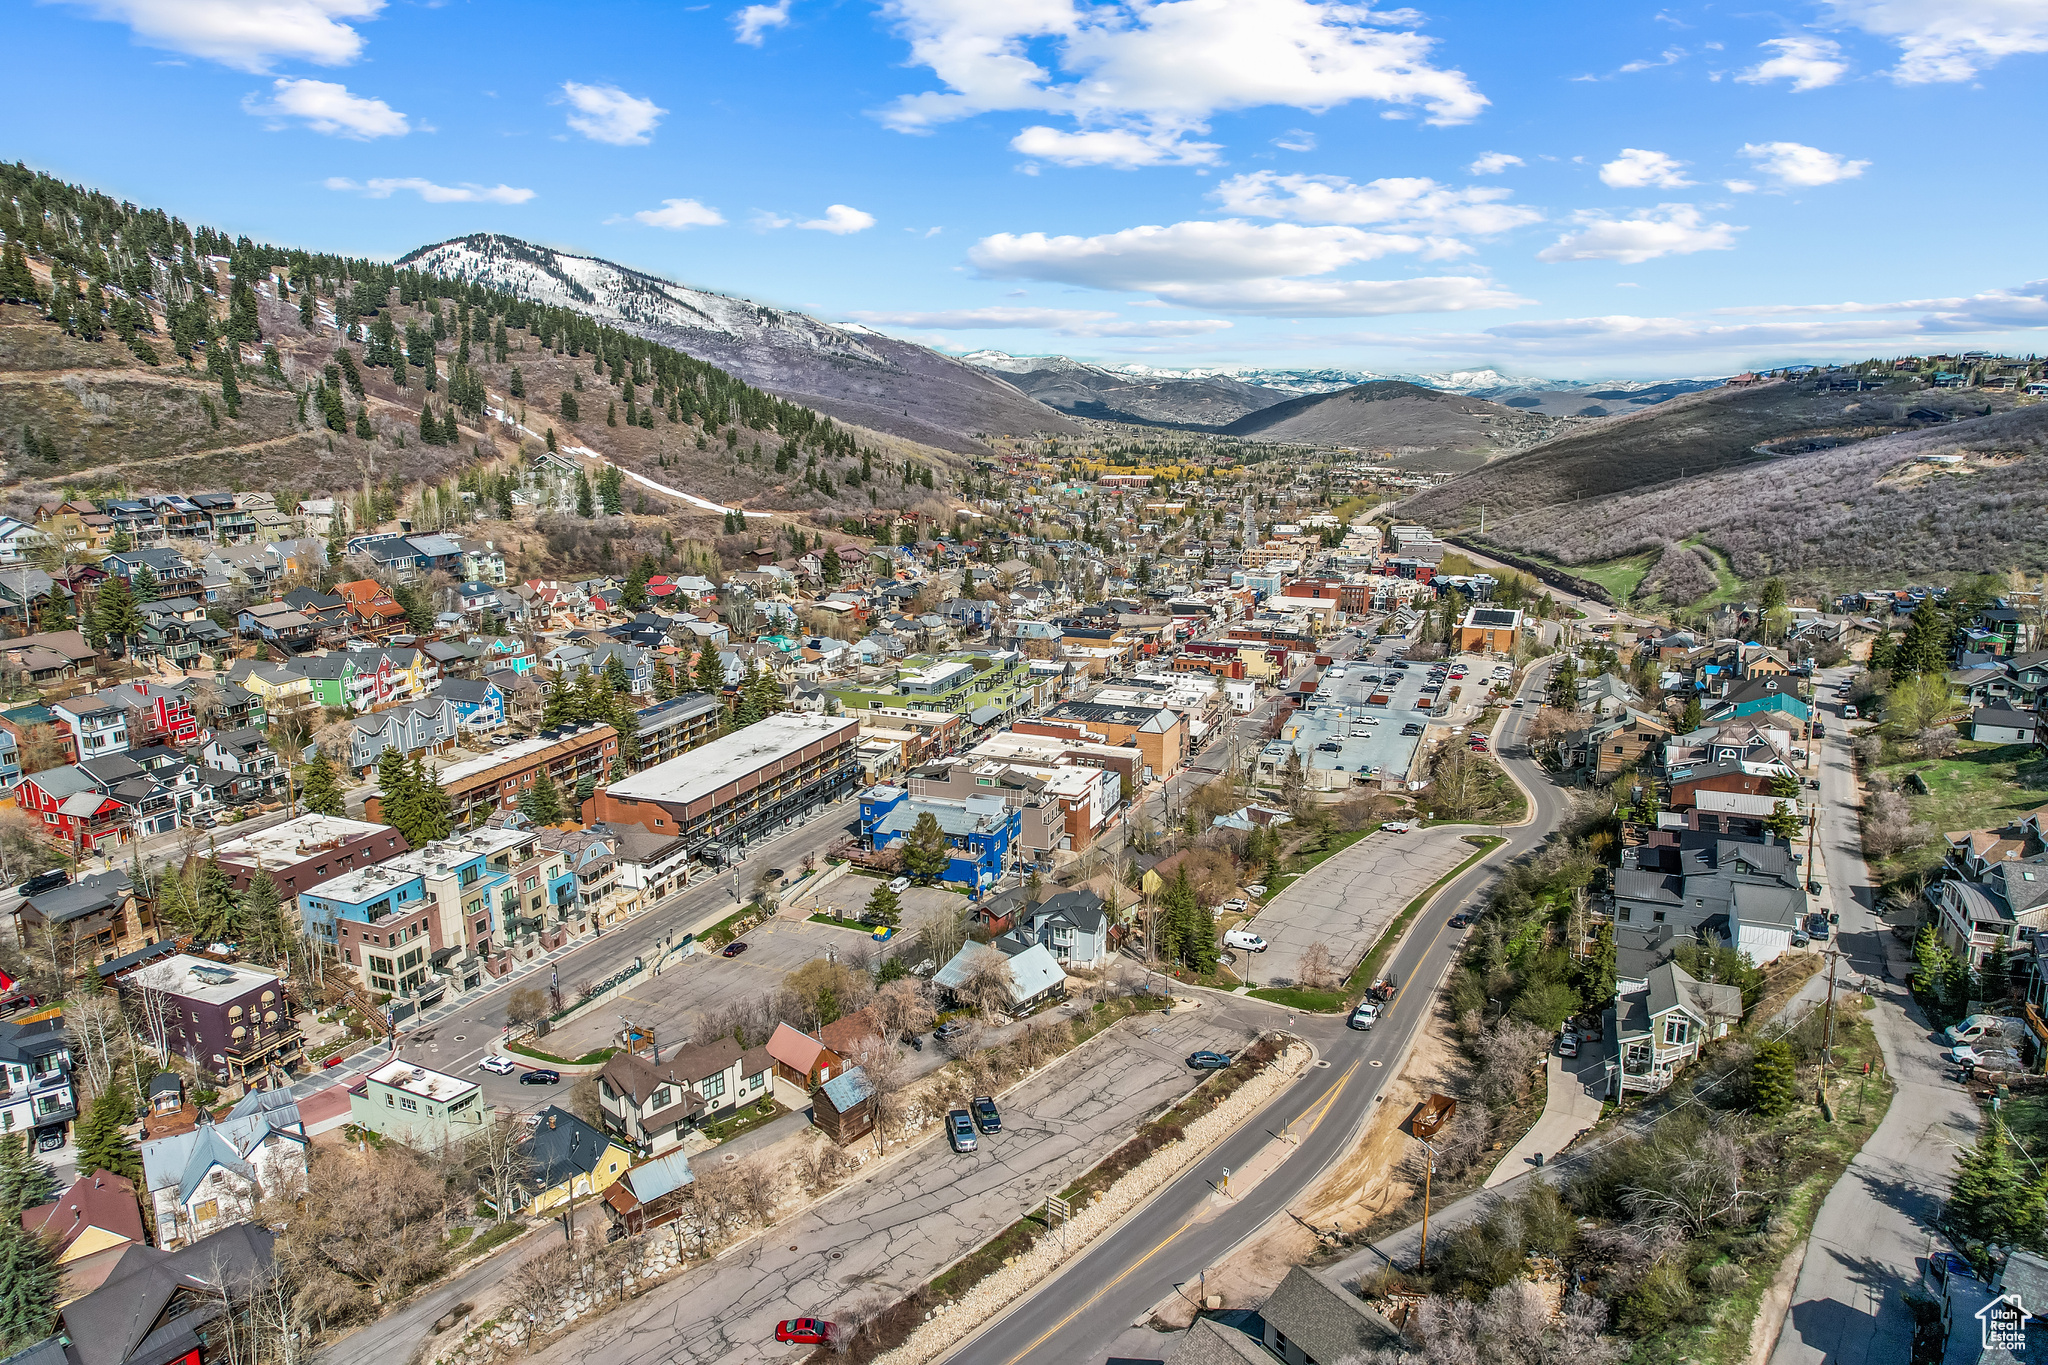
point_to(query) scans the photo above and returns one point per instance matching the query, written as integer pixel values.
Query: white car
(1397, 827)
(1244, 939)
(900, 885)
(498, 1064)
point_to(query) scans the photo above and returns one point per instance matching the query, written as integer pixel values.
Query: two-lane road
(1079, 1315)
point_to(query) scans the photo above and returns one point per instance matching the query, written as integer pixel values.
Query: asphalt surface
(1081, 1313)
(1877, 1225)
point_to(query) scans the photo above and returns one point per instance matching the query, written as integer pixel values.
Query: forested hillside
(139, 353)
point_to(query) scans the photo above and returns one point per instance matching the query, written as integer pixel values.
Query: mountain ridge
(852, 373)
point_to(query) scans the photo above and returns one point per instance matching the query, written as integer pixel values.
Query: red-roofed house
(801, 1059)
(98, 1213)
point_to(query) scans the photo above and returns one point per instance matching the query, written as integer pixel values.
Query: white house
(215, 1175)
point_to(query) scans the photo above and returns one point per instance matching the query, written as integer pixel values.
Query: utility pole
(1827, 1046)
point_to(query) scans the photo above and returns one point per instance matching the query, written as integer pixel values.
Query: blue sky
(1593, 189)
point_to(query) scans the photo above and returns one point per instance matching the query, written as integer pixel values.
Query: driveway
(1349, 900)
(880, 1238)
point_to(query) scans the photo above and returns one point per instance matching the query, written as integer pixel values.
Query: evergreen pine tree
(1773, 1080)
(710, 673)
(432, 813)
(102, 1145)
(28, 1287)
(363, 430)
(924, 849)
(24, 1181)
(430, 426)
(542, 802)
(883, 907)
(1693, 716)
(394, 792)
(451, 434)
(319, 790)
(586, 505)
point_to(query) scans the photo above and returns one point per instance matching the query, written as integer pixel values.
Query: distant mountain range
(1205, 396)
(849, 372)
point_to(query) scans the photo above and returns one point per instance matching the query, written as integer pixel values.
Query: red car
(806, 1331)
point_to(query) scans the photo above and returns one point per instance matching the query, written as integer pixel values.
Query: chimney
(551, 1122)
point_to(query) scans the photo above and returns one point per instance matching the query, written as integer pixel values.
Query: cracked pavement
(1349, 900)
(886, 1233)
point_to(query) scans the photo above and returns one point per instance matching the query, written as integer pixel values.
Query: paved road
(1167, 1243)
(1877, 1223)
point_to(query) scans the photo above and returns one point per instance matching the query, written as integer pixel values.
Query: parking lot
(1349, 900)
(847, 896)
(708, 980)
(1342, 730)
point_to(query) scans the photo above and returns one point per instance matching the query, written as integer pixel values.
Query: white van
(900, 885)
(1244, 939)
(1983, 1026)
(1848, 713)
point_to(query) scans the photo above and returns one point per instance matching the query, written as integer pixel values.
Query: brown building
(496, 781)
(301, 854)
(1750, 779)
(1159, 733)
(719, 797)
(1490, 630)
(95, 919)
(844, 1107)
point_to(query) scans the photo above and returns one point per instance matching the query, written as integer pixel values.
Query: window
(1676, 1032)
(1622, 914)
(712, 1087)
(407, 1103)
(1657, 917)
(663, 1097)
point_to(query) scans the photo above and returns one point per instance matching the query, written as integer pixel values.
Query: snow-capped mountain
(851, 372)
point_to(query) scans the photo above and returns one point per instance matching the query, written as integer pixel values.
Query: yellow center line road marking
(1323, 1104)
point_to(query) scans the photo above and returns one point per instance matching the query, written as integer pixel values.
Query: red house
(156, 715)
(72, 807)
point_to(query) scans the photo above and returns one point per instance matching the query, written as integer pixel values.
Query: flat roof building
(724, 794)
(427, 1109)
(301, 854)
(496, 781)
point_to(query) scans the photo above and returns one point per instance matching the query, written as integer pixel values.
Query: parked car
(1411, 729)
(912, 1041)
(50, 1139)
(1243, 939)
(541, 1075)
(44, 881)
(950, 1030)
(1365, 1016)
(899, 885)
(960, 1130)
(806, 1332)
(734, 948)
(1567, 1046)
(986, 1116)
(1397, 827)
(499, 1065)
(1208, 1061)
(1817, 927)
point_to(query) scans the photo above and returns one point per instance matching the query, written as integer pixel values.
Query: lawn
(1977, 789)
(603, 1054)
(1618, 576)
(749, 1117)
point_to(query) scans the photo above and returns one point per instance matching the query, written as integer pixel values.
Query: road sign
(1054, 1205)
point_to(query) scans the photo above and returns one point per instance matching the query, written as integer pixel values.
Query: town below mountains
(518, 778)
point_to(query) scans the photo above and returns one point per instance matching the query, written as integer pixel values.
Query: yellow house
(281, 689)
(570, 1160)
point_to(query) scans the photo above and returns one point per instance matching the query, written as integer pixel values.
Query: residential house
(1035, 977)
(97, 728)
(371, 609)
(483, 561)
(979, 830)
(88, 1226)
(655, 1104)
(2002, 725)
(844, 1107)
(35, 1062)
(1664, 1024)
(567, 1160)
(213, 1176)
(154, 1306)
(1074, 927)
(234, 1022)
(1310, 1319)
(802, 1060)
(1683, 886)
(419, 727)
(244, 751)
(280, 624)
(651, 1194)
(303, 853)
(479, 703)
(423, 1108)
(73, 807)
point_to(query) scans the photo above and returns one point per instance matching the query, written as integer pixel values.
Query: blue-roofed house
(844, 1107)
(1035, 975)
(215, 1175)
(652, 1193)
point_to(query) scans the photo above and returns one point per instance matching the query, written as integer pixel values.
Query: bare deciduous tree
(101, 1036)
(986, 989)
(497, 1157)
(1316, 970)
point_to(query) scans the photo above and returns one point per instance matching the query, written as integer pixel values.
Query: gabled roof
(1327, 1321)
(797, 1050)
(561, 1146)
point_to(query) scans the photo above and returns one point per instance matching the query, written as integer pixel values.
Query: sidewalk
(1571, 1105)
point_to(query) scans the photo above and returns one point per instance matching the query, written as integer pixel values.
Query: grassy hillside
(1872, 512)
(1689, 436)
(1425, 427)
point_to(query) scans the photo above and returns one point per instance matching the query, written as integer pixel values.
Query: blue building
(980, 830)
(479, 703)
(367, 896)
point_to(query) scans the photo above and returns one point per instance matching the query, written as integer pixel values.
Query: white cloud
(1296, 140)
(1670, 56)
(431, 192)
(328, 107)
(1809, 63)
(1740, 186)
(1795, 163)
(246, 36)
(1413, 203)
(1667, 230)
(2020, 306)
(1159, 69)
(678, 214)
(1637, 169)
(1948, 40)
(1237, 267)
(751, 24)
(1493, 163)
(1122, 148)
(605, 113)
(839, 220)
(1073, 322)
